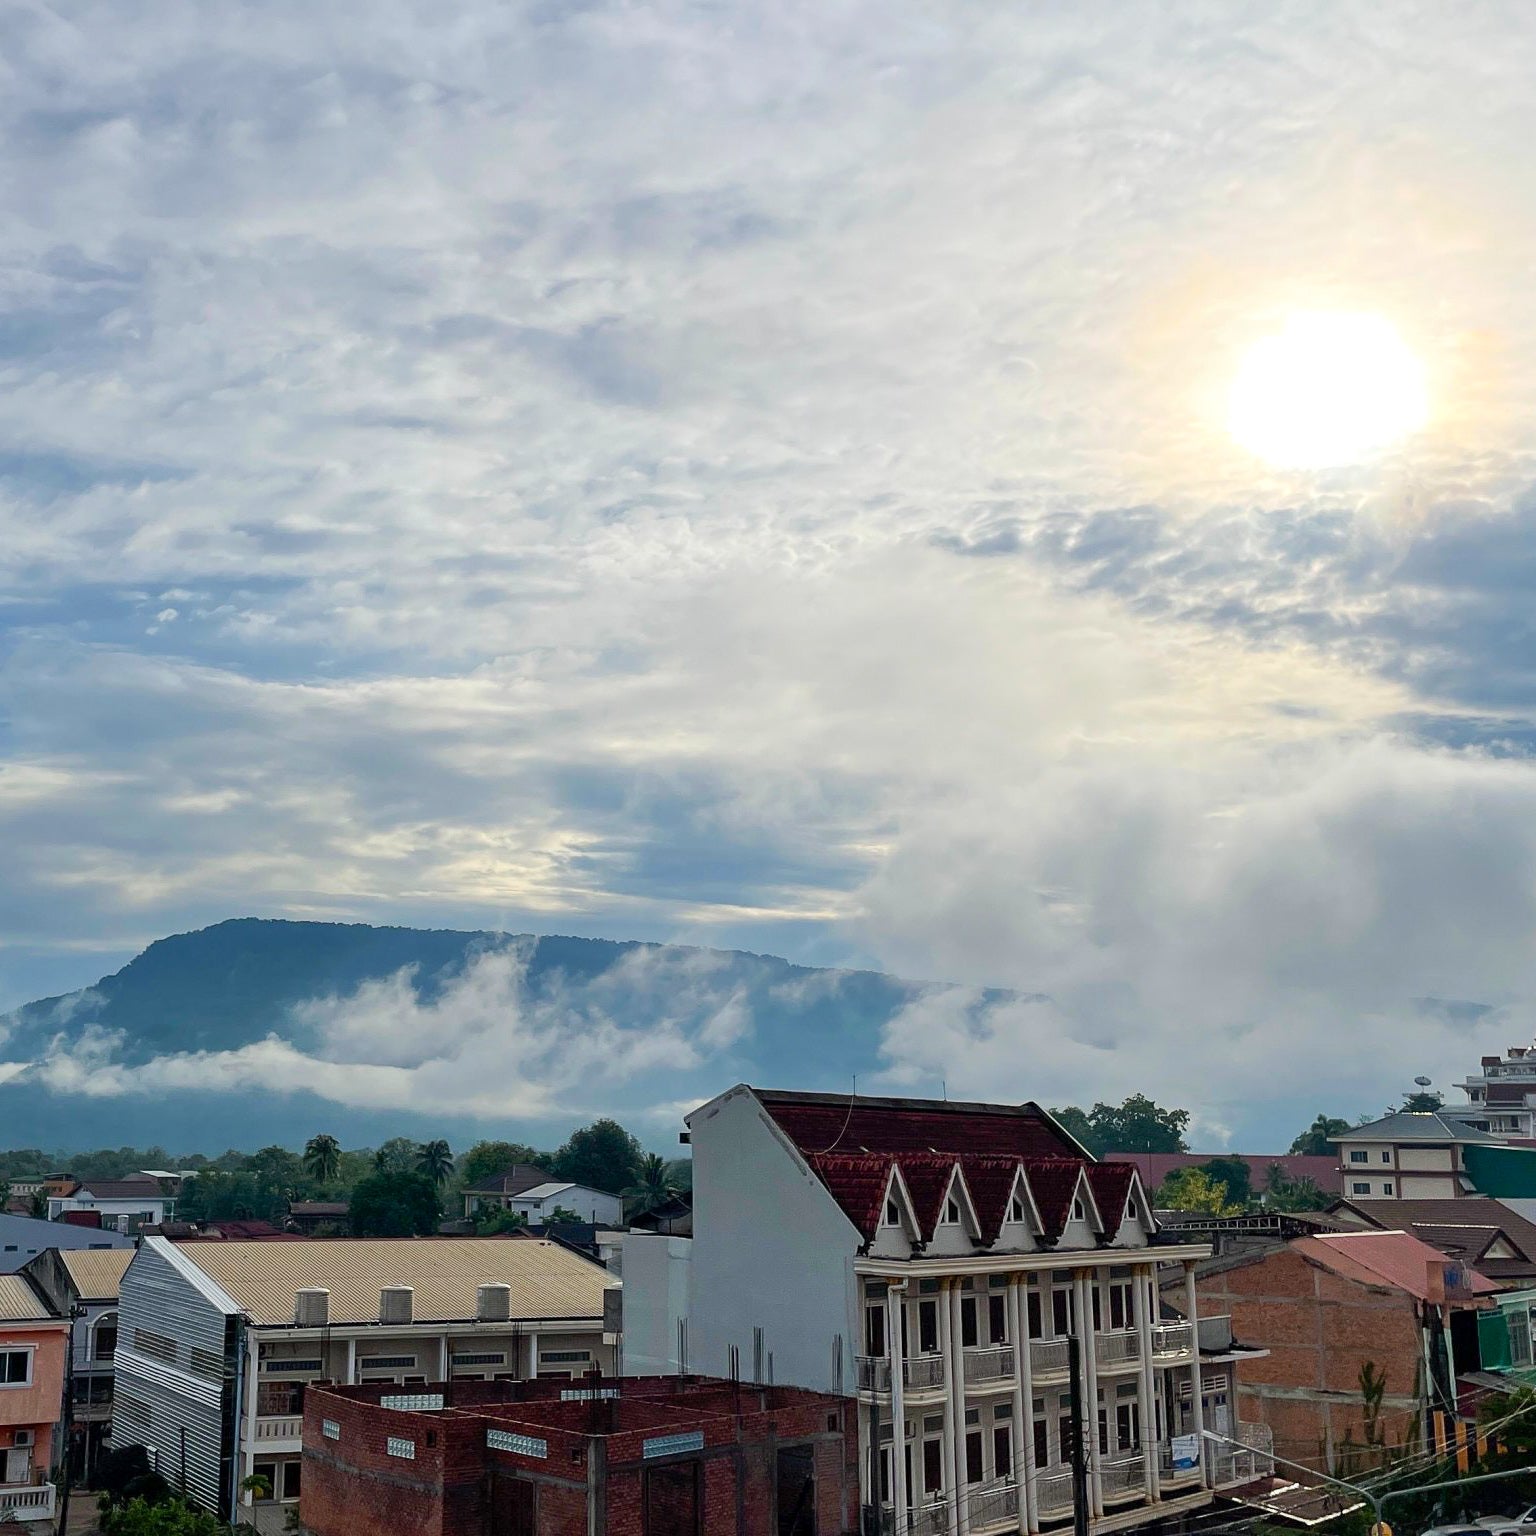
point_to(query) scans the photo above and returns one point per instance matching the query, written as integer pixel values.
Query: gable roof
(96, 1273)
(511, 1181)
(1416, 1125)
(547, 1279)
(19, 1303)
(1397, 1260)
(137, 1186)
(1464, 1227)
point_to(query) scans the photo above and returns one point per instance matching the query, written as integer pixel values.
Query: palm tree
(653, 1188)
(435, 1159)
(322, 1158)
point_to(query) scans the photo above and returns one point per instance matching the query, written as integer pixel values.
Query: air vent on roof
(493, 1302)
(395, 1304)
(312, 1307)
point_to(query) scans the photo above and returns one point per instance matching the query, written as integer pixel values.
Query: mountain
(256, 1031)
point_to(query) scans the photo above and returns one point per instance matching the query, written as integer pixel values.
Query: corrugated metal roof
(96, 1272)
(543, 1191)
(19, 1302)
(547, 1280)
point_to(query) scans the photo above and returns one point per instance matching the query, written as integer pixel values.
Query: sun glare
(1328, 390)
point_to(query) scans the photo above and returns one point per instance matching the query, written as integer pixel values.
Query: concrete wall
(1428, 1186)
(657, 1277)
(772, 1251)
(1426, 1159)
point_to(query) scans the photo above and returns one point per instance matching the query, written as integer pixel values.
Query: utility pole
(1079, 1446)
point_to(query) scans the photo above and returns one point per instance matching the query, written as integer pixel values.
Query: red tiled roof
(990, 1180)
(1154, 1167)
(927, 1176)
(1053, 1184)
(857, 1182)
(1111, 1184)
(1393, 1259)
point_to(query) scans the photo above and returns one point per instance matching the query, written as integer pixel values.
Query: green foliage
(1137, 1125)
(602, 1155)
(397, 1155)
(118, 1467)
(1193, 1189)
(490, 1157)
(494, 1222)
(1421, 1102)
(434, 1160)
(218, 1196)
(391, 1203)
(1235, 1175)
(680, 1172)
(562, 1216)
(1318, 1139)
(163, 1517)
(322, 1158)
(1283, 1193)
(653, 1189)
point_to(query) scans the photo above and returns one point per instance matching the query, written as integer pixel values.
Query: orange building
(33, 1342)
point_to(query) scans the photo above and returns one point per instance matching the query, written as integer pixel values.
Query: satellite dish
(1424, 1082)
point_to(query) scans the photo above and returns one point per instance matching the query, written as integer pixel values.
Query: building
(1325, 1308)
(82, 1284)
(122, 1205)
(1482, 1234)
(309, 1216)
(24, 1237)
(594, 1206)
(938, 1259)
(218, 1341)
(663, 1456)
(1408, 1156)
(493, 1193)
(1154, 1167)
(32, 1350)
(1501, 1095)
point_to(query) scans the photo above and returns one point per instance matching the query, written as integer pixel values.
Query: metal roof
(19, 1303)
(547, 1280)
(97, 1272)
(1415, 1125)
(544, 1191)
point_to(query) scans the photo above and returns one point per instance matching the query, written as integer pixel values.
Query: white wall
(1426, 1159)
(771, 1250)
(603, 1210)
(657, 1277)
(1428, 1186)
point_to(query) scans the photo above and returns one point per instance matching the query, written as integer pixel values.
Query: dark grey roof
(1409, 1125)
(137, 1187)
(511, 1181)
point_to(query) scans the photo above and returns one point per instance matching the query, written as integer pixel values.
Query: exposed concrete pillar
(1151, 1449)
(1023, 1406)
(895, 1349)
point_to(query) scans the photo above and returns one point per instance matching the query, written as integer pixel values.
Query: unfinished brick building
(652, 1456)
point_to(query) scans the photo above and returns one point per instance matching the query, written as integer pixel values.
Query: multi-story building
(32, 1349)
(1410, 1155)
(121, 1205)
(217, 1342)
(1501, 1096)
(82, 1285)
(943, 1262)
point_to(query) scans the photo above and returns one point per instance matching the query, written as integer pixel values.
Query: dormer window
(1078, 1213)
(951, 1212)
(892, 1214)
(1016, 1209)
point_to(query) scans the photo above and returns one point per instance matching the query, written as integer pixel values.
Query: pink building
(32, 1349)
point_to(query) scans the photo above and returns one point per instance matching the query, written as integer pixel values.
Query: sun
(1329, 390)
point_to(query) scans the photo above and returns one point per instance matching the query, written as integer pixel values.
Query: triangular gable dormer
(1021, 1225)
(1501, 1248)
(1084, 1224)
(957, 1227)
(897, 1230)
(1137, 1223)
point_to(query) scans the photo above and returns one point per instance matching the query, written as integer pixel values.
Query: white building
(1501, 1096)
(218, 1340)
(541, 1202)
(1410, 1155)
(124, 1205)
(937, 1259)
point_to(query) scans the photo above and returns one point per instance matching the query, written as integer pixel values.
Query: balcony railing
(1171, 1340)
(921, 1373)
(873, 1373)
(1171, 1473)
(983, 1366)
(989, 1503)
(288, 1428)
(1053, 1490)
(1122, 1347)
(1048, 1357)
(935, 1519)
(876, 1522)
(1254, 1460)
(1124, 1476)
(26, 1501)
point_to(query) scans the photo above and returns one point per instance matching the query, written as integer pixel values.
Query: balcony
(1170, 1472)
(935, 1519)
(1053, 1492)
(1124, 1477)
(288, 1427)
(1117, 1350)
(1172, 1341)
(1047, 1358)
(1215, 1334)
(990, 1367)
(1255, 1458)
(922, 1373)
(993, 1505)
(26, 1501)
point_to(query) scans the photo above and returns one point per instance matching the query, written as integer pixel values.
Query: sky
(759, 476)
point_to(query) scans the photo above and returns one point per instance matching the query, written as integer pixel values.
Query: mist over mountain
(254, 1031)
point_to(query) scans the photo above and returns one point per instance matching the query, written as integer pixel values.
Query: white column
(443, 1358)
(895, 1339)
(533, 1356)
(1023, 1406)
(1150, 1449)
(1082, 1288)
(352, 1360)
(1191, 1309)
(957, 1399)
(248, 1409)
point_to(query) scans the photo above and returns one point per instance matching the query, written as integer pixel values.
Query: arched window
(104, 1336)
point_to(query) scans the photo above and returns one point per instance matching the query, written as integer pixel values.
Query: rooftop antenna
(944, 1088)
(1425, 1082)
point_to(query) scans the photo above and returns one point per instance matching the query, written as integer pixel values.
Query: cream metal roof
(547, 1281)
(96, 1272)
(20, 1303)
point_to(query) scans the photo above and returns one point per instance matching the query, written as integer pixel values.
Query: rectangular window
(997, 1307)
(951, 1213)
(1061, 1313)
(928, 1327)
(1121, 1312)
(1386, 1188)
(15, 1368)
(1386, 1156)
(386, 1363)
(1002, 1451)
(933, 1466)
(483, 1359)
(968, 1333)
(1359, 1155)
(1016, 1210)
(155, 1344)
(395, 1445)
(1358, 1188)
(975, 1472)
(874, 1330)
(1042, 1443)
(892, 1214)
(565, 1356)
(291, 1474)
(267, 1472)
(1127, 1426)
(1032, 1308)
(297, 1367)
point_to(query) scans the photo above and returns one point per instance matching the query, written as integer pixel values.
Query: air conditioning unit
(22, 1437)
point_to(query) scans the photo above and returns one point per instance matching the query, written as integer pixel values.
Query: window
(565, 1356)
(933, 1466)
(874, 1330)
(1061, 1313)
(1359, 1155)
(892, 1214)
(498, 1359)
(1032, 1309)
(1127, 1426)
(1386, 1188)
(975, 1472)
(295, 1367)
(1121, 1314)
(1042, 1438)
(378, 1363)
(1359, 1189)
(1386, 1157)
(1078, 1213)
(155, 1344)
(291, 1474)
(267, 1472)
(1002, 1450)
(997, 1308)
(395, 1445)
(968, 1334)
(1016, 1209)
(951, 1212)
(104, 1336)
(927, 1327)
(15, 1367)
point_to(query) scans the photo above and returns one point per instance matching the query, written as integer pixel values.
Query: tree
(164, 1517)
(392, 1204)
(1193, 1189)
(602, 1155)
(487, 1158)
(1137, 1125)
(653, 1189)
(1235, 1175)
(1283, 1193)
(118, 1467)
(397, 1155)
(494, 1222)
(434, 1159)
(1318, 1138)
(1421, 1102)
(322, 1158)
(562, 1216)
(38, 1204)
